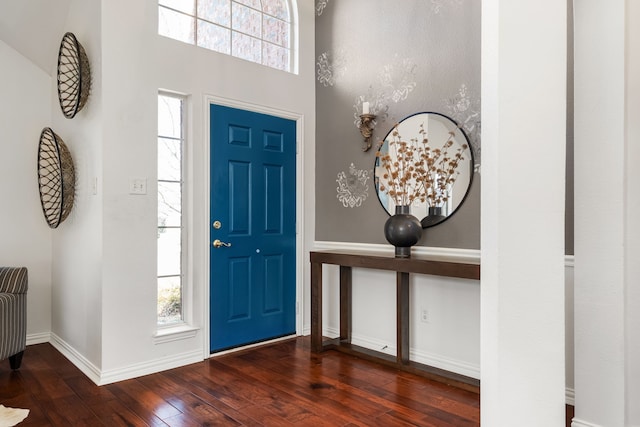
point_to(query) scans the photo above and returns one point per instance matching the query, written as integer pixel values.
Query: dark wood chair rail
(403, 267)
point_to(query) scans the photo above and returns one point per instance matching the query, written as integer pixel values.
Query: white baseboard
(579, 423)
(435, 360)
(150, 367)
(38, 338)
(570, 396)
(430, 359)
(101, 377)
(446, 363)
(75, 357)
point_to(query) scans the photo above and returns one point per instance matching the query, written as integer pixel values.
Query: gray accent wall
(402, 58)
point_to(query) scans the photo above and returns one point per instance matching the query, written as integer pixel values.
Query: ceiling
(34, 28)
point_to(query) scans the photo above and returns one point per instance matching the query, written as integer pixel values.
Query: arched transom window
(255, 30)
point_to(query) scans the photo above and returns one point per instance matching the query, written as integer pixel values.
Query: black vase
(433, 217)
(402, 230)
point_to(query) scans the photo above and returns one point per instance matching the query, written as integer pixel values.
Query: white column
(607, 213)
(632, 219)
(599, 212)
(523, 162)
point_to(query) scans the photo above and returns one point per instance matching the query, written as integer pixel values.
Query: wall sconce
(366, 126)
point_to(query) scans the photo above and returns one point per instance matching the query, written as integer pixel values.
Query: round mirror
(426, 162)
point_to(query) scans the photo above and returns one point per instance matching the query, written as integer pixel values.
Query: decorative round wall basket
(56, 178)
(74, 76)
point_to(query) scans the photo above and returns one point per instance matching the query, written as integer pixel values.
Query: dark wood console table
(403, 267)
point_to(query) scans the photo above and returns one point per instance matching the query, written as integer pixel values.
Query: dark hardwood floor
(276, 385)
(281, 384)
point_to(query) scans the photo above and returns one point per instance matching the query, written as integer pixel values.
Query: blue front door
(253, 226)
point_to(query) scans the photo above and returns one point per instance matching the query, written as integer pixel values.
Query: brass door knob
(219, 243)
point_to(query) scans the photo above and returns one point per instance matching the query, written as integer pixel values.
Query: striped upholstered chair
(13, 314)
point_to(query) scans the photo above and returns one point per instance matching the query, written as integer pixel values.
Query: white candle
(365, 108)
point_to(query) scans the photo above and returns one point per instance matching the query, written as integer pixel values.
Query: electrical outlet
(424, 315)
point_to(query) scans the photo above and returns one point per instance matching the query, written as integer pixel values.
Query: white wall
(607, 304)
(136, 63)
(77, 243)
(25, 238)
(101, 262)
(632, 241)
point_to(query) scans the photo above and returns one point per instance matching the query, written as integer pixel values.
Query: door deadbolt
(217, 225)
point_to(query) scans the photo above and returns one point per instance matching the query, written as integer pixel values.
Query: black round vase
(402, 230)
(433, 217)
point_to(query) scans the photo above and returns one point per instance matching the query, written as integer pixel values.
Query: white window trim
(175, 333)
(183, 329)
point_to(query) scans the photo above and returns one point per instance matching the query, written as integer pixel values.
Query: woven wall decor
(56, 178)
(74, 76)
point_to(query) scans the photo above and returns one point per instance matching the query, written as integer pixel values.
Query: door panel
(239, 288)
(252, 281)
(239, 197)
(274, 201)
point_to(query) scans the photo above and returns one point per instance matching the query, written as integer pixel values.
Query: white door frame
(204, 260)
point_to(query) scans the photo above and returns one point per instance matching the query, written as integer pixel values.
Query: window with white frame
(171, 224)
(256, 30)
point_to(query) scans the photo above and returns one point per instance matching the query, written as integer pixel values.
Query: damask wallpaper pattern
(402, 58)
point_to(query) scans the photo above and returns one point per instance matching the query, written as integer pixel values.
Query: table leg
(316, 307)
(402, 317)
(345, 303)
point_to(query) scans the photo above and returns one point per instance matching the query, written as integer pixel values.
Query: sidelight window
(171, 228)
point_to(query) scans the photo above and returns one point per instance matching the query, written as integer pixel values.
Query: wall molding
(455, 254)
(431, 359)
(103, 377)
(569, 260)
(463, 255)
(150, 367)
(580, 423)
(81, 362)
(39, 338)
(446, 363)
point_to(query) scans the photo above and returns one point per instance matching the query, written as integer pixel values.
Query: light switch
(138, 186)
